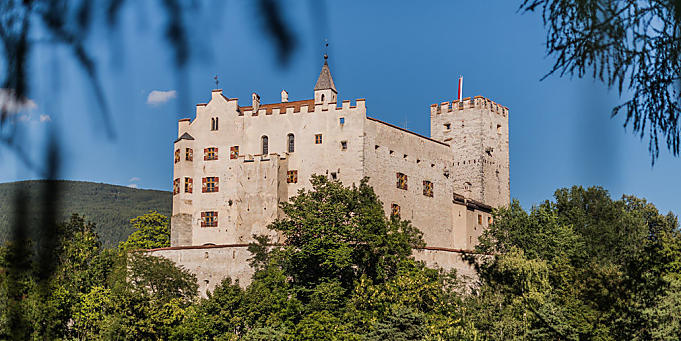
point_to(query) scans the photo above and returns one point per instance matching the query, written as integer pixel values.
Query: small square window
(395, 210)
(334, 176)
(427, 188)
(209, 219)
(234, 152)
(292, 177)
(344, 145)
(176, 186)
(210, 153)
(448, 126)
(210, 184)
(401, 181)
(188, 185)
(318, 139)
(342, 120)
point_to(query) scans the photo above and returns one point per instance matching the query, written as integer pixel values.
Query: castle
(234, 164)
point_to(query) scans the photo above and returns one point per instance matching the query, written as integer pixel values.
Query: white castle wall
(478, 135)
(467, 163)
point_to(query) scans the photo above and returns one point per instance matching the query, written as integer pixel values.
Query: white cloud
(10, 103)
(45, 118)
(157, 97)
(133, 186)
(134, 179)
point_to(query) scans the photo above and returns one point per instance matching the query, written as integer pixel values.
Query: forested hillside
(109, 206)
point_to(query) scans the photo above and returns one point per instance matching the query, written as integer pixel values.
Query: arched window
(214, 123)
(322, 97)
(291, 143)
(265, 145)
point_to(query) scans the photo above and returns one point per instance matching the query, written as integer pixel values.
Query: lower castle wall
(212, 264)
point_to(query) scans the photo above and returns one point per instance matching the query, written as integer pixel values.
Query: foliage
(583, 266)
(152, 230)
(109, 207)
(631, 45)
(338, 233)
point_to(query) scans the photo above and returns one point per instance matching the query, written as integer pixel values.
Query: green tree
(149, 296)
(152, 230)
(582, 267)
(632, 46)
(338, 233)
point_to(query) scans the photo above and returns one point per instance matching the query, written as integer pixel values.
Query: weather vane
(216, 81)
(326, 48)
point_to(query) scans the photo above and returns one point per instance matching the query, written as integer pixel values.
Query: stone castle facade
(234, 164)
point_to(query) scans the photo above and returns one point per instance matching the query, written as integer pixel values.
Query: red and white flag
(460, 88)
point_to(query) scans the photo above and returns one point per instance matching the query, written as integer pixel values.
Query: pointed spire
(325, 81)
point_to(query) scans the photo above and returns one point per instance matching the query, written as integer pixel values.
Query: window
(489, 220)
(334, 176)
(209, 219)
(176, 186)
(322, 97)
(234, 152)
(189, 154)
(210, 184)
(318, 139)
(210, 153)
(466, 185)
(401, 181)
(344, 145)
(291, 143)
(214, 123)
(342, 120)
(265, 145)
(448, 126)
(177, 155)
(292, 177)
(427, 188)
(188, 185)
(395, 211)
(479, 219)
(498, 128)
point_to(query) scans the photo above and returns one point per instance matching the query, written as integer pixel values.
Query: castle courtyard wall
(211, 264)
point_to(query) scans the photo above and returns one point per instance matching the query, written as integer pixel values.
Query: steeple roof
(325, 81)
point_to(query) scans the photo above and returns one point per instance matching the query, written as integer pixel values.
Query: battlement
(302, 106)
(479, 102)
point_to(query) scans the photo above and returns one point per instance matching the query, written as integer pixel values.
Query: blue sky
(400, 56)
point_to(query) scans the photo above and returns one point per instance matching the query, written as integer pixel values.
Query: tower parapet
(477, 130)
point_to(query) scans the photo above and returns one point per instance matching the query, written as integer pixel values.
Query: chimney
(284, 96)
(256, 102)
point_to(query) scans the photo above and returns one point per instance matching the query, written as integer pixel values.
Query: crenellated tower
(477, 131)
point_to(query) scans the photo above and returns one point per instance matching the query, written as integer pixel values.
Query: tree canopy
(579, 266)
(633, 46)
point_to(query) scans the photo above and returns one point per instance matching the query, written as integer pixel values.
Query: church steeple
(325, 91)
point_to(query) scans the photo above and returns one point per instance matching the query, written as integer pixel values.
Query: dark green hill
(109, 206)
